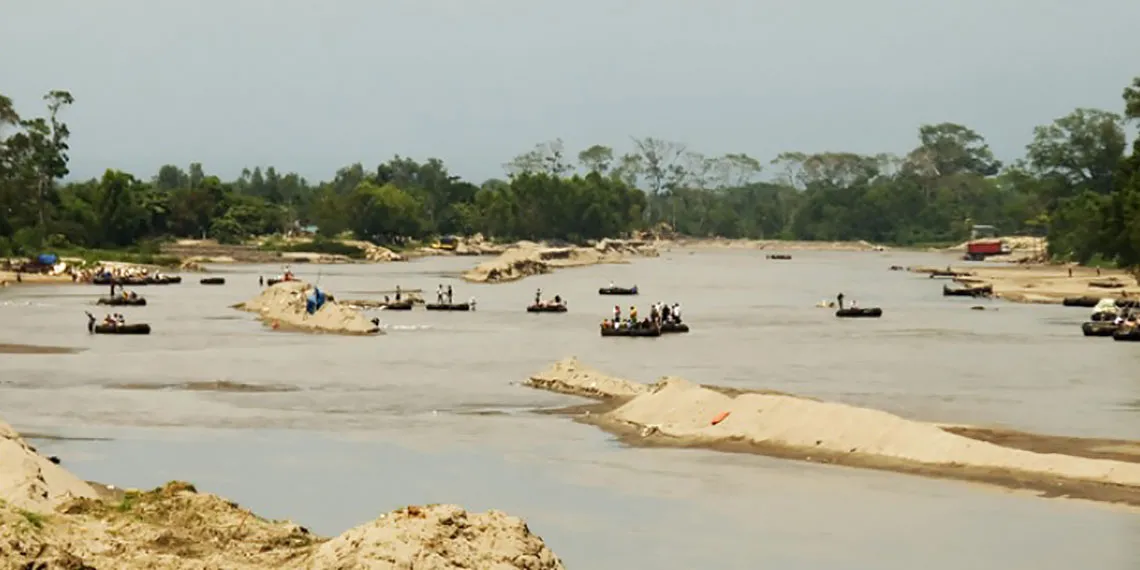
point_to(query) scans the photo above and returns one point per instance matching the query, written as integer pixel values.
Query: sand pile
(175, 527)
(31, 482)
(527, 258)
(438, 537)
(791, 426)
(283, 306)
(774, 244)
(569, 376)
(375, 252)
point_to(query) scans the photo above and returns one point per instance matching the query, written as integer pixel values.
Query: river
(332, 431)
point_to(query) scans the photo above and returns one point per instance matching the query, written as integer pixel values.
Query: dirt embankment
(50, 519)
(674, 412)
(1046, 283)
(282, 306)
(528, 258)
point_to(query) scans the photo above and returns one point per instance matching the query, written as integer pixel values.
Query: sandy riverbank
(674, 412)
(773, 245)
(49, 518)
(282, 306)
(1046, 283)
(528, 258)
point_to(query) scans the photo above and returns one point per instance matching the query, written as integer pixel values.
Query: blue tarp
(48, 259)
(315, 301)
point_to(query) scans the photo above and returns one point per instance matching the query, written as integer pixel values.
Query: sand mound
(527, 258)
(283, 305)
(31, 482)
(686, 411)
(438, 537)
(568, 376)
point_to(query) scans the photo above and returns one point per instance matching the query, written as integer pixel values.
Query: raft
(674, 328)
(1131, 334)
(1099, 328)
(546, 309)
(779, 256)
(618, 290)
(136, 328)
(1089, 302)
(397, 306)
(121, 302)
(448, 306)
(870, 312)
(1129, 302)
(212, 281)
(984, 291)
(630, 331)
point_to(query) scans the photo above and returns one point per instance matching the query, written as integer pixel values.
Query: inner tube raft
(984, 291)
(397, 306)
(212, 281)
(121, 302)
(631, 331)
(1086, 301)
(546, 309)
(135, 328)
(674, 328)
(779, 256)
(1099, 328)
(448, 306)
(866, 312)
(618, 290)
(1131, 334)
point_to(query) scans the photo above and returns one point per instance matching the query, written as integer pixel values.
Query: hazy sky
(310, 86)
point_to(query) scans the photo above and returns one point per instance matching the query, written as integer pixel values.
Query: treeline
(1078, 184)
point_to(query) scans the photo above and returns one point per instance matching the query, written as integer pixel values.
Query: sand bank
(50, 518)
(770, 244)
(675, 412)
(1047, 283)
(528, 258)
(282, 306)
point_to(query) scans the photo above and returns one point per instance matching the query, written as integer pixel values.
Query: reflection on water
(445, 384)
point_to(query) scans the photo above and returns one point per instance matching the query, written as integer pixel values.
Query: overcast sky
(311, 86)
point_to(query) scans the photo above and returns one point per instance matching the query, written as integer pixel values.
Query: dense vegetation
(1078, 183)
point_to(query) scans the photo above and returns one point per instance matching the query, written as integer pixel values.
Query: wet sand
(1048, 283)
(660, 415)
(1047, 487)
(8, 348)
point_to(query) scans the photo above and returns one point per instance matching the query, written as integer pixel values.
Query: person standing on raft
(439, 294)
(449, 295)
(839, 298)
(617, 314)
(538, 297)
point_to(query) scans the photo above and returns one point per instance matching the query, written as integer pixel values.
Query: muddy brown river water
(331, 431)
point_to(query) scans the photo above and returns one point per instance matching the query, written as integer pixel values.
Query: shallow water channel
(332, 431)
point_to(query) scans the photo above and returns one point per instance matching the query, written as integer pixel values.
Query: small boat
(448, 306)
(674, 328)
(631, 331)
(212, 281)
(779, 256)
(1131, 334)
(1099, 328)
(618, 290)
(135, 328)
(547, 308)
(1107, 284)
(1085, 301)
(397, 306)
(983, 291)
(118, 301)
(866, 312)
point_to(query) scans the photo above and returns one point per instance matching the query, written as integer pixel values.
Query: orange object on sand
(720, 418)
(276, 324)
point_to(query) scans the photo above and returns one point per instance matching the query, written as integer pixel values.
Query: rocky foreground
(52, 520)
(675, 412)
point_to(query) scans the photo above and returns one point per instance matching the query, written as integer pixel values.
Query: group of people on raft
(123, 292)
(659, 314)
(538, 302)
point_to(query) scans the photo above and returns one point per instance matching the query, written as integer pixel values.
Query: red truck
(978, 250)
